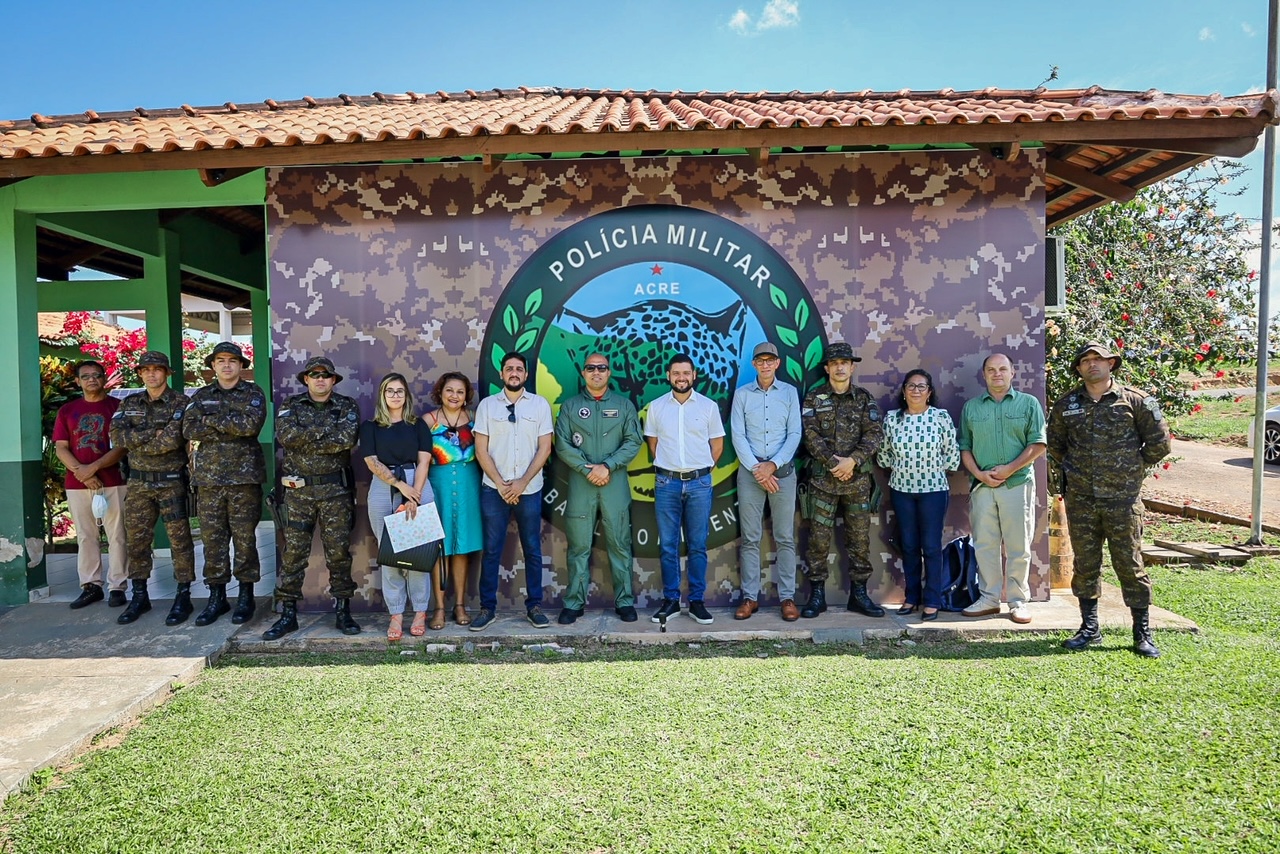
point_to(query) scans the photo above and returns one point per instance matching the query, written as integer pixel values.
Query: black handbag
(420, 558)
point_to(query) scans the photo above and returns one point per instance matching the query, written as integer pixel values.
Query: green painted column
(163, 306)
(22, 565)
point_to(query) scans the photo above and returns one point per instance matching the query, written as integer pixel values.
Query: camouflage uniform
(151, 431)
(317, 439)
(228, 470)
(846, 425)
(1103, 449)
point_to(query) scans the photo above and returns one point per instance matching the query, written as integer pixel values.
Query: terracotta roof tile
(527, 112)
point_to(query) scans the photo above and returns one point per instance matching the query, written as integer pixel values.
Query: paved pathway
(68, 676)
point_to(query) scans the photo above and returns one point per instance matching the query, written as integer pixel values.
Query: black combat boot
(1142, 643)
(1088, 632)
(215, 607)
(244, 604)
(860, 602)
(288, 621)
(345, 624)
(141, 604)
(817, 601)
(181, 605)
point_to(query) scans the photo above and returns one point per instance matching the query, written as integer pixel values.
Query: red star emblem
(656, 270)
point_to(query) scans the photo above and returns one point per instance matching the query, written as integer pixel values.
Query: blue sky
(77, 55)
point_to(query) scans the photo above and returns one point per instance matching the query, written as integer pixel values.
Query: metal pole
(1264, 285)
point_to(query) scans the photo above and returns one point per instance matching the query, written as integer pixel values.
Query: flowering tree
(1165, 281)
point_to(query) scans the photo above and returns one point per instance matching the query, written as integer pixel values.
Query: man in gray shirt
(766, 431)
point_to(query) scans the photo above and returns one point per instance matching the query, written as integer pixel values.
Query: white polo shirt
(684, 431)
(513, 445)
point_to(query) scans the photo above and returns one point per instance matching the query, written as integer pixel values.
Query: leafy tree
(1164, 280)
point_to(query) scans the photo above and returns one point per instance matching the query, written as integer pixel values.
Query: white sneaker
(1020, 613)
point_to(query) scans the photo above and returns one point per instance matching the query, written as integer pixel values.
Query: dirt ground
(1215, 477)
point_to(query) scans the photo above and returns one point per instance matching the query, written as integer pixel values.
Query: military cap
(318, 363)
(154, 359)
(1102, 350)
(839, 350)
(226, 347)
(764, 349)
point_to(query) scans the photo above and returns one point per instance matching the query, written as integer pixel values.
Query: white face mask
(99, 506)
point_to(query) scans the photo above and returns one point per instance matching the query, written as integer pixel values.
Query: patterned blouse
(452, 444)
(919, 450)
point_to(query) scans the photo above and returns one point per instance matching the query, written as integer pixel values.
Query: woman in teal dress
(455, 479)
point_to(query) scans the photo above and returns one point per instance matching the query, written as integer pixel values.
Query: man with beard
(513, 442)
(228, 467)
(148, 425)
(597, 436)
(686, 437)
(842, 431)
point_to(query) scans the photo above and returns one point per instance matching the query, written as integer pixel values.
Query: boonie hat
(321, 363)
(839, 350)
(154, 359)
(764, 349)
(1102, 350)
(226, 347)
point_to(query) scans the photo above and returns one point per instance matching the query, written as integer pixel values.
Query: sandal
(419, 627)
(394, 632)
(460, 615)
(437, 619)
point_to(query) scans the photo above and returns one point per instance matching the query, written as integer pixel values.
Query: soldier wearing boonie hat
(225, 418)
(1103, 436)
(317, 430)
(842, 431)
(148, 425)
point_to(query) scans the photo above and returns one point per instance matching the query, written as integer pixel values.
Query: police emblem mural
(640, 285)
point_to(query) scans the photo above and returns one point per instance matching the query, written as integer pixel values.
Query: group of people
(480, 467)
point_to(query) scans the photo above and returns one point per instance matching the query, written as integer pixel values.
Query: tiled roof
(541, 113)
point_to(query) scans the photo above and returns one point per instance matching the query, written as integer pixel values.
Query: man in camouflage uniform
(225, 417)
(1102, 436)
(597, 436)
(317, 430)
(842, 432)
(148, 425)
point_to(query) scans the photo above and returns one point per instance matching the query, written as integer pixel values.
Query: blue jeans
(920, 518)
(683, 505)
(496, 514)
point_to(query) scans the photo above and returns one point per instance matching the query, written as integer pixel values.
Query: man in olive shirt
(1001, 435)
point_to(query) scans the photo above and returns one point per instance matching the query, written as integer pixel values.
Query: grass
(1004, 745)
(1224, 420)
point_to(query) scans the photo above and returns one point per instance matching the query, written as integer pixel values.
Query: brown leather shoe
(790, 612)
(746, 609)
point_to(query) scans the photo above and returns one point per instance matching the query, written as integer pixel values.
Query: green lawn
(1224, 420)
(1009, 745)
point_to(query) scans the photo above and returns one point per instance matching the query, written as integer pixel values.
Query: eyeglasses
(596, 368)
(94, 376)
(511, 412)
(917, 387)
(394, 392)
(320, 375)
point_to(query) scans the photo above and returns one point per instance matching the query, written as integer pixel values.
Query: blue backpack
(959, 574)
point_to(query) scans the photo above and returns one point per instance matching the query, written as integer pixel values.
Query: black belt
(154, 476)
(295, 481)
(682, 475)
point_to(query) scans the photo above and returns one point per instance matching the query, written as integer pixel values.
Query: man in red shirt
(80, 437)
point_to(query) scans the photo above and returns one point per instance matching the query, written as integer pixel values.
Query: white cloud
(1248, 30)
(1206, 34)
(775, 14)
(779, 13)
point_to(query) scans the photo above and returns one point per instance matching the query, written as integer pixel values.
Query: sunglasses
(596, 368)
(90, 376)
(320, 375)
(511, 412)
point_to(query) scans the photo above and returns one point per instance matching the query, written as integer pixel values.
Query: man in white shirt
(513, 442)
(686, 436)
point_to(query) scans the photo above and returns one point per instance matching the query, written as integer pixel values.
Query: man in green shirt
(1002, 432)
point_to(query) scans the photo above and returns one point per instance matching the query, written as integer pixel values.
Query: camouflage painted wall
(929, 259)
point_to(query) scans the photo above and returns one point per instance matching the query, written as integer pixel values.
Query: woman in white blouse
(919, 449)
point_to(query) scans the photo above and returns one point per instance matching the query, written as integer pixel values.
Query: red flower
(1206, 347)
(1125, 317)
(1119, 343)
(1219, 375)
(1199, 357)
(1196, 408)
(1107, 275)
(1211, 293)
(1166, 465)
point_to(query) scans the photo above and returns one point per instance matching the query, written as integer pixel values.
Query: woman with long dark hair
(919, 449)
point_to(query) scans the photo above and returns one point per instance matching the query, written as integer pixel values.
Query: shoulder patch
(584, 412)
(255, 401)
(351, 416)
(873, 413)
(1153, 406)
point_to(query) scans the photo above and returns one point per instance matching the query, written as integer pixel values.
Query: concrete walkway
(68, 676)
